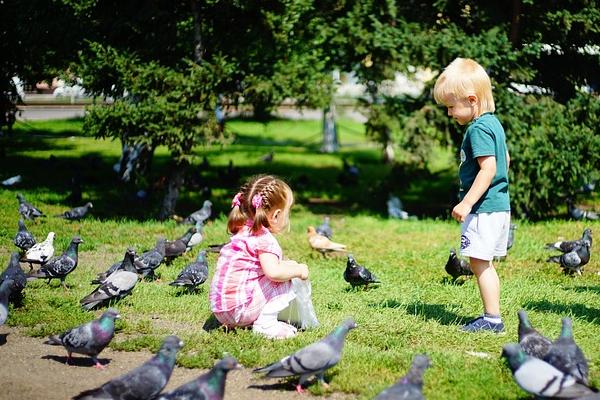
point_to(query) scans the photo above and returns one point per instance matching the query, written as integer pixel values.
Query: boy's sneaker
(481, 324)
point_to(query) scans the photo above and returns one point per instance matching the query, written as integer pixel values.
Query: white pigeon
(41, 252)
(196, 236)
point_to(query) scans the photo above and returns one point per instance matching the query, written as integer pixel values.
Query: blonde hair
(462, 78)
(272, 192)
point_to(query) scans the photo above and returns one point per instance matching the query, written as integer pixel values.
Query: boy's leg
(489, 285)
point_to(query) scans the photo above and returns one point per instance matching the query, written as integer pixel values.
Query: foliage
(555, 150)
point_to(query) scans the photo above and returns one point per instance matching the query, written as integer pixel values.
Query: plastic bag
(300, 311)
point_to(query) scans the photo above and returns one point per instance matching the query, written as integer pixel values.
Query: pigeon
(565, 355)
(179, 246)
(325, 229)
(313, 359)
(394, 207)
(40, 252)
(24, 239)
(410, 386)
(573, 261)
(15, 274)
(61, 266)
(268, 158)
(357, 275)
(511, 236)
(579, 214)
(116, 286)
(349, 174)
(209, 386)
(13, 180)
(456, 266)
(196, 237)
(90, 338)
(215, 248)
(194, 274)
(539, 378)
(566, 246)
(27, 210)
(119, 265)
(151, 259)
(143, 382)
(75, 214)
(201, 215)
(321, 243)
(4, 295)
(532, 342)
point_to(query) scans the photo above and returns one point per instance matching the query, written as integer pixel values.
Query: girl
(251, 284)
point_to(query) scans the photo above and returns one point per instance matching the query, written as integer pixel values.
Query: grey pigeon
(573, 262)
(118, 285)
(61, 266)
(325, 229)
(178, 246)
(75, 214)
(579, 214)
(27, 210)
(151, 259)
(531, 341)
(313, 359)
(209, 386)
(565, 355)
(142, 383)
(15, 274)
(215, 248)
(196, 237)
(4, 295)
(119, 265)
(456, 267)
(40, 252)
(201, 215)
(541, 379)
(90, 338)
(193, 274)
(567, 246)
(267, 158)
(357, 275)
(24, 239)
(410, 386)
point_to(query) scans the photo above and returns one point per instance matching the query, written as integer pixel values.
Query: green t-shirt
(485, 136)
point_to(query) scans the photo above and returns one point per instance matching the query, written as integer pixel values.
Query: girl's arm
(281, 271)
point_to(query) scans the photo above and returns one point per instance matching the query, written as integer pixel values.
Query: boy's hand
(460, 211)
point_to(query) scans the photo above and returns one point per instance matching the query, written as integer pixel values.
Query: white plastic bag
(300, 311)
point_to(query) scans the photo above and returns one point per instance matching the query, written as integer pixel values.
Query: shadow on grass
(436, 312)
(77, 361)
(575, 309)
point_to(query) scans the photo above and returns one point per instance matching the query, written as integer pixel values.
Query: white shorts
(485, 236)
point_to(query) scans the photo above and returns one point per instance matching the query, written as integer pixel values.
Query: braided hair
(256, 198)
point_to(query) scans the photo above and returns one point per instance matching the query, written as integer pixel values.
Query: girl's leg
(267, 323)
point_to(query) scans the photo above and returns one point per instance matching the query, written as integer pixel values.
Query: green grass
(415, 309)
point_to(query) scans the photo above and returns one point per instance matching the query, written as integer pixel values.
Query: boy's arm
(281, 271)
(487, 171)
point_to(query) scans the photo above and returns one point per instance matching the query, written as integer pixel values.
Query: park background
(158, 75)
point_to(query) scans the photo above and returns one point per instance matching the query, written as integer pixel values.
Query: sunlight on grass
(414, 310)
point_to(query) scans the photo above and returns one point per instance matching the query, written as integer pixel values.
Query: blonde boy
(484, 208)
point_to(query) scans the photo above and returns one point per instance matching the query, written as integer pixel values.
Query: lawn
(415, 309)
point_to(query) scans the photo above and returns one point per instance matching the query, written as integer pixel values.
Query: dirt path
(30, 369)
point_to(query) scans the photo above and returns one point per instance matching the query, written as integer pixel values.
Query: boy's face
(461, 110)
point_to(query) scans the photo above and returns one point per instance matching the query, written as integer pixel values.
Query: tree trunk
(198, 49)
(515, 22)
(176, 181)
(330, 137)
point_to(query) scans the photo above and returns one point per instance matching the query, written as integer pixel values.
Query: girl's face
(462, 111)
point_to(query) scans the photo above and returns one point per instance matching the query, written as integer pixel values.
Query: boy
(484, 209)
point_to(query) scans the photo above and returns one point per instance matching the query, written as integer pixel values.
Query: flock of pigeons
(541, 367)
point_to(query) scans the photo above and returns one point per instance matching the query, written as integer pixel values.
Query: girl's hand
(303, 271)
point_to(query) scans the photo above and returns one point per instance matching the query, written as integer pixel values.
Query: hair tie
(237, 200)
(257, 201)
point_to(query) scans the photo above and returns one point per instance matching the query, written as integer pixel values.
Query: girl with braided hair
(251, 284)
